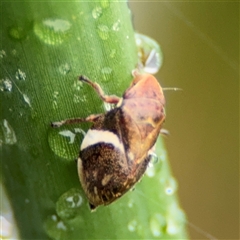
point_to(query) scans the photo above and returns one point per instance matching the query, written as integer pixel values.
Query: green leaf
(45, 47)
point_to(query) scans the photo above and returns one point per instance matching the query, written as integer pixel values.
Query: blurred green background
(200, 43)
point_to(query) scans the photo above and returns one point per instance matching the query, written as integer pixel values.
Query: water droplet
(130, 203)
(105, 3)
(17, 33)
(170, 186)
(107, 106)
(26, 99)
(7, 134)
(150, 171)
(14, 52)
(69, 204)
(64, 142)
(97, 12)
(132, 225)
(157, 225)
(175, 219)
(107, 74)
(20, 75)
(150, 56)
(27, 201)
(8, 227)
(64, 68)
(52, 31)
(5, 85)
(112, 53)
(56, 228)
(2, 54)
(154, 158)
(103, 31)
(116, 26)
(77, 85)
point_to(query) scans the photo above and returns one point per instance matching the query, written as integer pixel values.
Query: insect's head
(145, 86)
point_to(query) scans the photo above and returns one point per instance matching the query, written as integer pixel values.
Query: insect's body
(117, 148)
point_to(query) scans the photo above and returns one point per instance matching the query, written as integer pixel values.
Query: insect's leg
(90, 118)
(108, 99)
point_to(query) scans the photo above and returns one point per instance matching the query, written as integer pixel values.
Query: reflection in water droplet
(132, 226)
(52, 31)
(56, 228)
(68, 205)
(103, 31)
(64, 143)
(7, 134)
(26, 99)
(170, 186)
(68, 134)
(116, 25)
(97, 12)
(20, 75)
(64, 68)
(2, 54)
(149, 53)
(157, 225)
(5, 85)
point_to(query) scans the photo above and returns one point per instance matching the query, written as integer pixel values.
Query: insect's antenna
(193, 226)
(172, 89)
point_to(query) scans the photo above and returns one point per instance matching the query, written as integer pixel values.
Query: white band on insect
(96, 136)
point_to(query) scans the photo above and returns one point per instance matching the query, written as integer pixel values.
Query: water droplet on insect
(56, 228)
(103, 31)
(97, 12)
(64, 68)
(157, 225)
(69, 204)
(52, 31)
(170, 186)
(116, 26)
(2, 54)
(65, 142)
(7, 134)
(132, 225)
(5, 85)
(20, 75)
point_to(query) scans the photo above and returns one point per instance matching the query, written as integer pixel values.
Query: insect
(116, 150)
